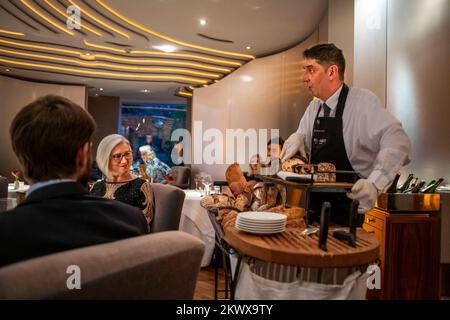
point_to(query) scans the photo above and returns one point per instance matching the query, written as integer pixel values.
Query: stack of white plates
(261, 222)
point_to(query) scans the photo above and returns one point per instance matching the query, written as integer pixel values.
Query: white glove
(366, 193)
(295, 143)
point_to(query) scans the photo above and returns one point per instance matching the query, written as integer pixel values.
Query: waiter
(349, 128)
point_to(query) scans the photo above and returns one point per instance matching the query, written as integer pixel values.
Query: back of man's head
(327, 54)
(46, 136)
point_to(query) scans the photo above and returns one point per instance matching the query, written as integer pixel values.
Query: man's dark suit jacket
(61, 217)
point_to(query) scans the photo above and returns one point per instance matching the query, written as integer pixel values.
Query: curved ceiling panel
(127, 43)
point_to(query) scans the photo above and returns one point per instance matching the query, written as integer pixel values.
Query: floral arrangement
(16, 174)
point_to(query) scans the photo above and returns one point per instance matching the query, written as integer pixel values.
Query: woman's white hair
(104, 151)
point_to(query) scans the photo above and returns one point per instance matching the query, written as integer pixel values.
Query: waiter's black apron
(327, 145)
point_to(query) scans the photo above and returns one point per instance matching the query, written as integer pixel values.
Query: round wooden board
(290, 247)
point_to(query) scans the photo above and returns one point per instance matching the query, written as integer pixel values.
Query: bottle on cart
(405, 185)
(393, 187)
(431, 188)
(416, 188)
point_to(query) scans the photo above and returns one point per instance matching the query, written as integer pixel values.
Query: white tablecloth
(12, 191)
(194, 220)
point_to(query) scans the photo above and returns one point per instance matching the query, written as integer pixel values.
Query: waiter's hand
(295, 143)
(366, 193)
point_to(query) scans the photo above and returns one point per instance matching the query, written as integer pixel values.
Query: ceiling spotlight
(7, 70)
(101, 89)
(145, 91)
(88, 53)
(166, 48)
(202, 22)
(248, 47)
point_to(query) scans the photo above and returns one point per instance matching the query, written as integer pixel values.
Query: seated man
(155, 170)
(51, 139)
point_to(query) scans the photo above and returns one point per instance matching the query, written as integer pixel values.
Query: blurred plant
(16, 174)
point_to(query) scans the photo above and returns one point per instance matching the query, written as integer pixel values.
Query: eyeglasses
(118, 156)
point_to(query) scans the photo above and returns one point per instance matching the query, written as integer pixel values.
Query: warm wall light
(93, 17)
(26, 45)
(40, 14)
(183, 93)
(11, 32)
(247, 78)
(65, 15)
(114, 58)
(134, 24)
(109, 65)
(103, 47)
(248, 47)
(107, 74)
(184, 55)
(202, 22)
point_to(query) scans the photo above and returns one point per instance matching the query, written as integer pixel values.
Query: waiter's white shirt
(375, 142)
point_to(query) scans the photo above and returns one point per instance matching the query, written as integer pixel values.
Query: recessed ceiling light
(7, 70)
(248, 47)
(166, 48)
(101, 89)
(145, 90)
(202, 22)
(88, 53)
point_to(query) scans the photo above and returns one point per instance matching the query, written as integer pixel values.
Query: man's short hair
(276, 140)
(327, 54)
(46, 136)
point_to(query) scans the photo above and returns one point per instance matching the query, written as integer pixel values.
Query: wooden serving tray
(290, 247)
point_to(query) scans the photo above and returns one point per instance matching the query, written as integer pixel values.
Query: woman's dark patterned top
(136, 192)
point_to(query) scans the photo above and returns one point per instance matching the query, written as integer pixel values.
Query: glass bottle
(393, 187)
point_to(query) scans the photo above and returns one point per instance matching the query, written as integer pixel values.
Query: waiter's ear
(332, 70)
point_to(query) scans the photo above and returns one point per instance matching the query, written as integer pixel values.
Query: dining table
(18, 193)
(195, 221)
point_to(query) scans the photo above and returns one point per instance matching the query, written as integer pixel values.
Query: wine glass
(196, 180)
(207, 182)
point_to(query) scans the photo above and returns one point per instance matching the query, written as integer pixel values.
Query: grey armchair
(182, 176)
(168, 206)
(145, 267)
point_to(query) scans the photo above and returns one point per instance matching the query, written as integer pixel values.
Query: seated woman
(155, 169)
(114, 158)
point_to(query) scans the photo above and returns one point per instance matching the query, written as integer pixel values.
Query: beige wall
(418, 81)
(105, 111)
(14, 95)
(274, 99)
(340, 31)
(370, 47)
(402, 50)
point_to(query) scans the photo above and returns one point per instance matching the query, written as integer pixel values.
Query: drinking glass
(207, 182)
(7, 204)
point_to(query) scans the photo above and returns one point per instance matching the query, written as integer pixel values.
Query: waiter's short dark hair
(327, 54)
(46, 136)
(276, 140)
